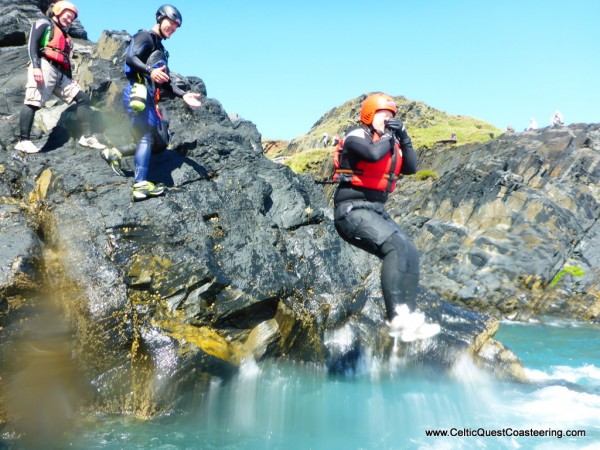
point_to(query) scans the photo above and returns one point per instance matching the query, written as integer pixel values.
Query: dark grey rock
(505, 217)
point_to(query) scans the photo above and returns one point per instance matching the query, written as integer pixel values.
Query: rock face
(240, 258)
(510, 227)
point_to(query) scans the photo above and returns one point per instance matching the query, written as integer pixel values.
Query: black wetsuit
(143, 44)
(361, 220)
(144, 53)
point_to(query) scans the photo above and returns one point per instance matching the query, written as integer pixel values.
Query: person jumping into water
(373, 157)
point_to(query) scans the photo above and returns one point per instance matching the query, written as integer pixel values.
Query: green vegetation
(309, 160)
(571, 270)
(426, 126)
(422, 175)
(467, 130)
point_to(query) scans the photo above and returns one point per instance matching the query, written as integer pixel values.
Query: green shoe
(145, 189)
(113, 157)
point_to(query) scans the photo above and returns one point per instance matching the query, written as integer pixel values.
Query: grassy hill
(426, 126)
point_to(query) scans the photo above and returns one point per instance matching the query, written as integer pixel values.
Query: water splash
(385, 405)
(587, 373)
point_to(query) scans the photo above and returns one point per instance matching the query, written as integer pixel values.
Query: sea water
(387, 405)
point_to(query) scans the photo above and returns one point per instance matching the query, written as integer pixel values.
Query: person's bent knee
(82, 99)
(404, 247)
(35, 105)
(394, 243)
(32, 107)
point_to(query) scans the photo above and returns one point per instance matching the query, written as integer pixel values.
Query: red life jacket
(58, 48)
(380, 175)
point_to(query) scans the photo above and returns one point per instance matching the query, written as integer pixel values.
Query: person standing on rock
(557, 120)
(50, 72)
(146, 68)
(374, 155)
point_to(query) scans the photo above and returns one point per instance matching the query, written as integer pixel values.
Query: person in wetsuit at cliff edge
(146, 67)
(373, 157)
(50, 72)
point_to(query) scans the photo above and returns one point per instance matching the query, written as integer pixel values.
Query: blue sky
(282, 65)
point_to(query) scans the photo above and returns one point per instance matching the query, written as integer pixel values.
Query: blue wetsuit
(140, 61)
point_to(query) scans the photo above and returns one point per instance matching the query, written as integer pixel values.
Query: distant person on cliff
(146, 68)
(532, 124)
(374, 155)
(50, 72)
(557, 120)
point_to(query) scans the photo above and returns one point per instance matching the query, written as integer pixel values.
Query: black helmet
(169, 12)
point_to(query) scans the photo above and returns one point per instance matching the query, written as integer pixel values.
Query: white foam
(571, 374)
(537, 376)
(558, 405)
(249, 369)
(341, 338)
(466, 371)
(575, 374)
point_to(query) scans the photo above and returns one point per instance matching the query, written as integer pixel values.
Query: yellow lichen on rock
(206, 339)
(41, 186)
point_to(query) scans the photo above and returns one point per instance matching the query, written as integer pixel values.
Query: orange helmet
(374, 103)
(60, 7)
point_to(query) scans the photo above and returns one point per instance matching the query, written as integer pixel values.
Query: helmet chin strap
(369, 129)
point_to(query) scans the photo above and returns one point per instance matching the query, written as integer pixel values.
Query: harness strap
(156, 99)
(57, 50)
(391, 176)
(387, 176)
(350, 171)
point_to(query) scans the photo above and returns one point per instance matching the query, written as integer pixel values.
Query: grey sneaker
(91, 142)
(113, 157)
(27, 147)
(145, 189)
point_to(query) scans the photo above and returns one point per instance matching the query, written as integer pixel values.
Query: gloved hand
(394, 125)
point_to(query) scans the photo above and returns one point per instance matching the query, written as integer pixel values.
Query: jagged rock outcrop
(508, 217)
(273, 147)
(238, 260)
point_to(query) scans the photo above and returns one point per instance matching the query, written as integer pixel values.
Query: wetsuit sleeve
(38, 29)
(364, 148)
(173, 89)
(138, 51)
(409, 156)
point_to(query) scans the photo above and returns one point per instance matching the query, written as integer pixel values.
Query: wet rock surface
(510, 227)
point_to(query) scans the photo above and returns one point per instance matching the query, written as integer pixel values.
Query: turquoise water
(387, 406)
